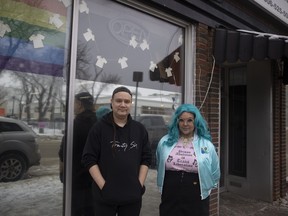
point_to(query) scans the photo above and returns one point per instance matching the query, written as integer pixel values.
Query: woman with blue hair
(187, 165)
(101, 111)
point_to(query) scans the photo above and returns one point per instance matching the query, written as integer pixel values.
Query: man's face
(77, 107)
(121, 104)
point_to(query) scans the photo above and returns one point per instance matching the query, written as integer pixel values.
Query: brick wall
(209, 107)
(279, 135)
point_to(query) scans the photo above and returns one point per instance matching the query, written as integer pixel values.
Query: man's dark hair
(121, 89)
(86, 99)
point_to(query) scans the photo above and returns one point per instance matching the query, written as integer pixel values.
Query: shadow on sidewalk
(232, 204)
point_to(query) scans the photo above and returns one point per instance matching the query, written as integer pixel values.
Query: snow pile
(32, 197)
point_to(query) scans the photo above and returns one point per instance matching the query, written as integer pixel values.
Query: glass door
(237, 152)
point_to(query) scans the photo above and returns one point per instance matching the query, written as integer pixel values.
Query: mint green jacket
(207, 158)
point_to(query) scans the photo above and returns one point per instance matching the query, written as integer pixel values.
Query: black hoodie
(119, 152)
(82, 123)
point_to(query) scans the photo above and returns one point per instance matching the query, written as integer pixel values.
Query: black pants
(181, 195)
(106, 209)
(82, 202)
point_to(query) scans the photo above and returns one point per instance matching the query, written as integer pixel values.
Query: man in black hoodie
(117, 154)
(85, 117)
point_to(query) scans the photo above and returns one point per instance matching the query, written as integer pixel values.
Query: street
(49, 147)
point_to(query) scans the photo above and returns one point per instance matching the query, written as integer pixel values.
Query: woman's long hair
(201, 128)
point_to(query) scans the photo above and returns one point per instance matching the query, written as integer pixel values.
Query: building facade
(228, 57)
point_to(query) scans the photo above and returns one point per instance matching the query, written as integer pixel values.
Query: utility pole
(137, 77)
(13, 99)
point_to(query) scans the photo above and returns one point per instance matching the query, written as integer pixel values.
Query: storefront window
(34, 39)
(116, 45)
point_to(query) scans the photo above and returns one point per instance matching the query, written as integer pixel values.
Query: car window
(156, 120)
(9, 126)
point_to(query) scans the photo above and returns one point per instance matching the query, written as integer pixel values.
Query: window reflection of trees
(97, 76)
(25, 66)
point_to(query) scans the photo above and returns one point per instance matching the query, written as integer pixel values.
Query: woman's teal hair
(101, 111)
(201, 128)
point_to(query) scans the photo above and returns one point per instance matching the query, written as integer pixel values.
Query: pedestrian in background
(117, 154)
(187, 165)
(85, 117)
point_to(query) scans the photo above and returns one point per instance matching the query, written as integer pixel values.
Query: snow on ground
(40, 193)
(32, 197)
(48, 132)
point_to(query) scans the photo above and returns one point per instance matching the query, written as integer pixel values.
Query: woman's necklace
(186, 140)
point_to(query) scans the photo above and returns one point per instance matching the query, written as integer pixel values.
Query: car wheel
(12, 167)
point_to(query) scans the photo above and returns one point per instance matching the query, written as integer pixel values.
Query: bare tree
(3, 94)
(58, 99)
(84, 63)
(40, 88)
(19, 96)
(26, 93)
(44, 90)
(105, 81)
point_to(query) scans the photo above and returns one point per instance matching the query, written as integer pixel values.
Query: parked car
(19, 149)
(157, 128)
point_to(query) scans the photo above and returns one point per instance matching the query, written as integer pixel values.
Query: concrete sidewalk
(230, 204)
(151, 198)
(234, 205)
(42, 191)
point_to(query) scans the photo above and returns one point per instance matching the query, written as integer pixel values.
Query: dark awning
(240, 45)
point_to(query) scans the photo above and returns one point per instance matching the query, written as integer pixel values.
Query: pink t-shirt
(182, 158)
